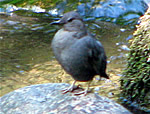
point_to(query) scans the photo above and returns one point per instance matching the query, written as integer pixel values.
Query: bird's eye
(70, 19)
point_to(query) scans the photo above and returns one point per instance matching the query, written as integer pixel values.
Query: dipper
(78, 52)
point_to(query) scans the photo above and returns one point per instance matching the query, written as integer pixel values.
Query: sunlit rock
(48, 98)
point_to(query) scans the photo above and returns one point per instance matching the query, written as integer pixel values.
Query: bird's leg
(71, 88)
(99, 79)
(85, 91)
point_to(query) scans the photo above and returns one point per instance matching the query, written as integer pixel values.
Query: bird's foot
(71, 89)
(84, 93)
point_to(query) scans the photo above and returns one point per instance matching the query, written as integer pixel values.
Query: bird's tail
(104, 75)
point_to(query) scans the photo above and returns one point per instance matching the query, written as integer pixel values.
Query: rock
(48, 99)
(135, 83)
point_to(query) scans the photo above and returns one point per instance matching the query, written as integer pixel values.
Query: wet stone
(48, 98)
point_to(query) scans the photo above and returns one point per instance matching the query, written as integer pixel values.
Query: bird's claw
(82, 92)
(70, 89)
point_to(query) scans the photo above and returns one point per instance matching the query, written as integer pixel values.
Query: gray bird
(78, 52)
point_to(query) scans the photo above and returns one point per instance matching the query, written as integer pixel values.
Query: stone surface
(48, 99)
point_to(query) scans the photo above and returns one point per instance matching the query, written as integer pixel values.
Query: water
(26, 56)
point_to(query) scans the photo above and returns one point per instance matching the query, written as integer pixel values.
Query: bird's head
(68, 17)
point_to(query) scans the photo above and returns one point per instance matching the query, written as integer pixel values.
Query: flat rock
(48, 99)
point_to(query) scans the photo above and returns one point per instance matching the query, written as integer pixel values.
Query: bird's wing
(97, 57)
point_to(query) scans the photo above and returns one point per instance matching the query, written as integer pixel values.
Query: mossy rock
(135, 84)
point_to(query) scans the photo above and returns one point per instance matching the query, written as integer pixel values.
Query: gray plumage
(78, 52)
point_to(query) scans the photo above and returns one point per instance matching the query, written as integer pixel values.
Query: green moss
(135, 84)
